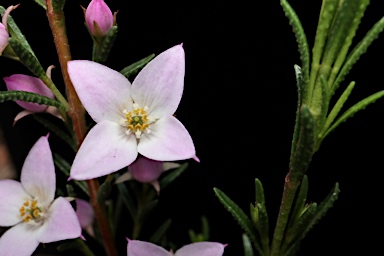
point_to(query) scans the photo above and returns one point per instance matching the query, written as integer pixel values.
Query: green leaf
(354, 109)
(359, 50)
(41, 3)
(27, 57)
(300, 38)
(262, 225)
(296, 233)
(334, 112)
(71, 191)
(75, 244)
(29, 97)
(56, 130)
(243, 220)
(146, 210)
(65, 167)
(101, 52)
(134, 68)
(160, 232)
(304, 151)
(310, 217)
(327, 13)
(104, 191)
(172, 175)
(248, 251)
(356, 11)
(58, 5)
(324, 104)
(126, 196)
(299, 202)
(296, 131)
(30, 61)
(15, 32)
(342, 32)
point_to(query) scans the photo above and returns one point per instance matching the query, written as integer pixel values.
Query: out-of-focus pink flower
(3, 38)
(29, 207)
(4, 35)
(140, 248)
(20, 82)
(99, 18)
(86, 215)
(130, 118)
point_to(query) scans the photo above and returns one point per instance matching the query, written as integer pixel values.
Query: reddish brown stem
(77, 114)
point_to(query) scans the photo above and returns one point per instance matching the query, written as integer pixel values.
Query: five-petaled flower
(29, 207)
(131, 118)
(141, 248)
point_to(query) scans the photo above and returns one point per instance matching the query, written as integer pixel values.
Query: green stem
(290, 188)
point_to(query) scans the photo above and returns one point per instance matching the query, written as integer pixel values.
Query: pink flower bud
(19, 82)
(146, 170)
(99, 18)
(3, 38)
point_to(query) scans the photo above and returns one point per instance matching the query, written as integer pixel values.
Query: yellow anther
(30, 210)
(27, 218)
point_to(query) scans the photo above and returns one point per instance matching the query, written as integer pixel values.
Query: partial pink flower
(29, 207)
(146, 170)
(3, 38)
(99, 18)
(20, 82)
(131, 118)
(141, 248)
(86, 215)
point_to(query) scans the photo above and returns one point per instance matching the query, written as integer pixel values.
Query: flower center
(30, 210)
(136, 121)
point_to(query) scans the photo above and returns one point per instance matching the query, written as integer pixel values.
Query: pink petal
(3, 38)
(145, 169)
(140, 248)
(38, 173)
(159, 85)
(21, 115)
(60, 222)
(97, 11)
(19, 82)
(104, 92)
(201, 249)
(19, 240)
(106, 149)
(84, 212)
(168, 141)
(12, 197)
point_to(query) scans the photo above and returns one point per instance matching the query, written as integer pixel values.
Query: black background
(239, 106)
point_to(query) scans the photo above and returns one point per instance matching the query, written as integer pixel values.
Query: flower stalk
(76, 112)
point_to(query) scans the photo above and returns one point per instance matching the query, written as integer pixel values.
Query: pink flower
(146, 170)
(140, 248)
(3, 38)
(131, 118)
(86, 215)
(19, 82)
(29, 207)
(99, 18)
(4, 35)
